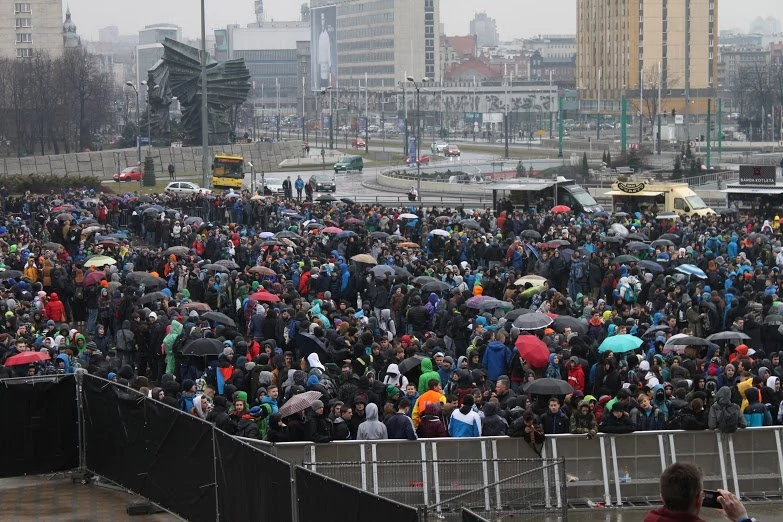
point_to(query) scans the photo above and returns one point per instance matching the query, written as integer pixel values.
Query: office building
(386, 39)
(27, 27)
(623, 44)
(485, 29)
(150, 49)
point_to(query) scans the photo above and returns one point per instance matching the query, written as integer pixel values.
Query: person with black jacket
(219, 415)
(554, 420)
(617, 422)
(318, 427)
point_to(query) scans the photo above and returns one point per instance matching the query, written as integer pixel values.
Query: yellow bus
(228, 170)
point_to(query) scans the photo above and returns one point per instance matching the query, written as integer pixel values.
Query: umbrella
(382, 270)
(691, 270)
(203, 347)
(636, 236)
(364, 258)
(348, 201)
(531, 234)
(193, 220)
(331, 230)
(287, 234)
(271, 243)
(611, 239)
(401, 273)
(146, 279)
(408, 244)
(440, 232)
(152, 297)
(195, 305)
(620, 343)
(265, 297)
(228, 263)
(345, 233)
(435, 286)
(687, 340)
(177, 251)
(353, 221)
(667, 215)
(10, 274)
(618, 229)
(548, 386)
(470, 223)
(65, 217)
(513, 314)
(559, 209)
(560, 243)
(621, 214)
(326, 198)
(262, 270)
(601, 215)
(653, 331)
(409, 216)
(671, 237)
(266, 235)
(533, 350)
(728, 336)
(443, 219)
(219, 317)
(625, 258)
(638, 246)
(493, 304)
(379, 235)
(27, 358)
(651, 266)
(299, 402)
(422, 280)
(100, 261)
(773, 320)
(410, 363)
(53, 246)
(662, 243)
(475, 301)
(532, 321)
(216, 267)
(561, 322)
(93, 278)
(530, 278)
(396, 237)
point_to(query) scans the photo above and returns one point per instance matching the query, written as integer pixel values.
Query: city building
(27, 27)
(71, 40)
(150, 49)
(557, 46)
(561, 70)
(485, 29)
(765, 26)
(457, 49)
(621, 45)
(388, 40)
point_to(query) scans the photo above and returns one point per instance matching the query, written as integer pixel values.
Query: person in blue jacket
(497, 357)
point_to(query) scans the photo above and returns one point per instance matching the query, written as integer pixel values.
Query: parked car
(451, 151)
(347, 163)
(438, 147)
(358, 143)
(185, 187)
(423, 160)
(323, 183)
(130, 174)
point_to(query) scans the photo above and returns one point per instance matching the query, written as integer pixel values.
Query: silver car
(185, 187)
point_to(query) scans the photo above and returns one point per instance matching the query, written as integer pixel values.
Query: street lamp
(149, 120)
(138, 140)
(204, 107)
(417, 86)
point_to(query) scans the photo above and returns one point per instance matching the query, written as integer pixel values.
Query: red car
(451, 150)
(423, 160)
(358, 143)
(130, 174)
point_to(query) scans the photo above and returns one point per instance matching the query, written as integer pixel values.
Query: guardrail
(610, 469)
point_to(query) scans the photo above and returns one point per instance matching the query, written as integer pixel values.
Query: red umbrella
(24, 358)
(93, 278)
(331, 230)
(264, 296)
(533, 350)
(559, 209)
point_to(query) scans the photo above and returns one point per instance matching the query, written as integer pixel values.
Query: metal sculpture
(178, 74)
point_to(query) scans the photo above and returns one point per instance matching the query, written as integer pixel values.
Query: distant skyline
(515, 18)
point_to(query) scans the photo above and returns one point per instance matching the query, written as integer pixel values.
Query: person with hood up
(492, 424)
(394, 377)
(756, 413)
(583, 421)
(431, 425)
(371, 428)
(553, 368)
(125, 343)
(432, 395)
(55, 310)
(618, 421)
(497, 357)
(465, 421)
(168, 345)
(724, 414)
(427, 373)
(576, 374)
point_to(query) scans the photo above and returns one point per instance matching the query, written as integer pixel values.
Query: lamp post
(149, 120)
(138, 140)
(417, 86)
(204, 107)
(277, 131)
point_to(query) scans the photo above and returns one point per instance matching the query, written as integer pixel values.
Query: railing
(723, 176)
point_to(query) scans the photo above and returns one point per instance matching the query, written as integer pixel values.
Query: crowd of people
(400, 322)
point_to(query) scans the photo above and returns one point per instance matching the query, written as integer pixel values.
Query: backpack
(179, 342)
(680, 420)
(728, 419)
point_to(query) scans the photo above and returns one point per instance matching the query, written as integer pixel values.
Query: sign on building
(757, 175)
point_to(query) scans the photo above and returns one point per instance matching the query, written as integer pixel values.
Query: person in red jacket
(576, 374)
(55, 310)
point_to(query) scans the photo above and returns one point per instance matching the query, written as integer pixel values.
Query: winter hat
(228, 351)
(316, 405)
(644, 366)
(187, 384)
(360, 398)
(152, 316)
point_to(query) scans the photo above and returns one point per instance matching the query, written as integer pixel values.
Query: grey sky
(515, 17)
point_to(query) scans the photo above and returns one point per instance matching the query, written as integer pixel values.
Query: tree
(520, 170)
(677, 170)
(634, 161)
(585, 166)
(695, 167)
(608, 159)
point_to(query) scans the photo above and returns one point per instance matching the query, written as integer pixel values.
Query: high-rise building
(627, 42)
(27, 27)
(485, 29)
(385, 39)
(150, 49)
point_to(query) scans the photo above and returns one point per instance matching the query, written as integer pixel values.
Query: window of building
(22, 7)
(24, 38)
(24, 53)
(24, 23)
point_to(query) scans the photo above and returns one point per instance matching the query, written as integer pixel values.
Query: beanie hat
(187, 384)
(152, 316)
(92, 345)
(228, 351)
(317, 404)
(360, 398)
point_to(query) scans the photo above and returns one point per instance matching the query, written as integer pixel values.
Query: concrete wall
(186, 160)
(388, 179)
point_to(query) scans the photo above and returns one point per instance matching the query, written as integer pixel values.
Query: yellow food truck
(632, 196)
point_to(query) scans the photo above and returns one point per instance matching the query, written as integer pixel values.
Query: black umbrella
(435, 286)
(401, 273)
(671, 237)
(636, 237)
(228, 263)
(381, 270)
(177, 251)
(203, 347)
(146, 279)
(10, 274)
(348, 201)
(561, 322)
(152, 297)
(532, 321)
(653, 330)
(688, 340)
(728, 336)
(513, 314)
(548, 386)
(216, 267)
(423, 280)
(308, 343)
(612, 239)
(379, 235)
(326, 198)
(470, 223)
(774, 320)
(287, 234)
(219, 317)
(651, 266)
(410, 363)
(531, 234)
(662, 243)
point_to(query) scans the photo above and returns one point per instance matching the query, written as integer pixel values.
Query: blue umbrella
(345, 233)
(620, 344)
(651, 266)
(266, 235)
(691, 270)
(601, 214)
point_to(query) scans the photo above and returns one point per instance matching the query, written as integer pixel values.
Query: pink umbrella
(331, 230)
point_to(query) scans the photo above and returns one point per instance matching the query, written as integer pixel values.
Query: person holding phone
(683, 497)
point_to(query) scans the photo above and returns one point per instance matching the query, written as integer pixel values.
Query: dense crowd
(293, 320)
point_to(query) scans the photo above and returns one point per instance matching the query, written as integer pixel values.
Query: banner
(412, 155)
(323, 47)
(362, 124)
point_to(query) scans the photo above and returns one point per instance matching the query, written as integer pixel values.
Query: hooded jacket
(372, 428)
(497, 358)
(125, 337)
(724, 406)
(465, 422)
(427, 373)
(493, 424)
(393, 377)
(168, 345)
(756, 413)
(583, 424)
(55, 310)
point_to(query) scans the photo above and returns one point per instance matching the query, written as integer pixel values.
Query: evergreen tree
(520, 170)
(677, 170)
(608, 159)
(585, 167)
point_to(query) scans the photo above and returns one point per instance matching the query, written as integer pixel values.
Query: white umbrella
(408, 215)
(533, 279)
(619, 229)
(440, 232)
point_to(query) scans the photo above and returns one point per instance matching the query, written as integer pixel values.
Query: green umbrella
(620, 344)
(625, 258)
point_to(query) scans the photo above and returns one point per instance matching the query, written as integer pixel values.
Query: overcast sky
(514, 17)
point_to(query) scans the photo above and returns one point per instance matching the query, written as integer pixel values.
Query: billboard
(757, 175)
(323, 47)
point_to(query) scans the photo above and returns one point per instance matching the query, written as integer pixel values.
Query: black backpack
(728, 419)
